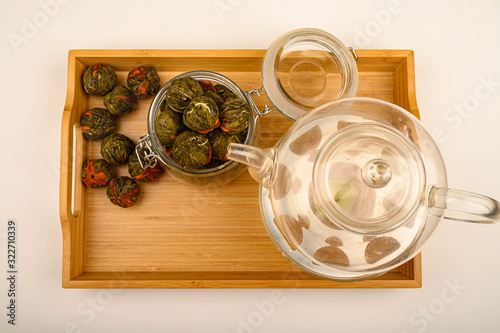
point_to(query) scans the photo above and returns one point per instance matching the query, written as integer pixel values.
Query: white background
(456, 44)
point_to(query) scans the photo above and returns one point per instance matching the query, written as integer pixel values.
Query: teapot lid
(306, 68)
(369, 178)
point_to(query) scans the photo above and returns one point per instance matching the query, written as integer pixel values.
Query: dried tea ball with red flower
(234, 116)
(201, 115)
(141, 174)
(120, 101)
(99, 79)
(213, 164)
(123, 191)
(224, 92)
(116, 148)
(243, 135)
(163, 105)
(214, 96)
(207, 85)
(181, 91)
(96, 173)
(192, 150)
(220, 142)
(97, 123)
(168, 126)
(169, 150)
(143, 81)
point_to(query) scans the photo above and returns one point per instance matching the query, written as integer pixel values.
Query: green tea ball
(201, 115)
(234, 116)
(96, 173)
(143, 81)
(120, 101)
(181, 91)
(224, 92)
(99, 79)
(123, 191)
(220, 142)
(192, 150)
(116, 148)
(97, 123)
(168, 126)
(213, 164)
(145, 175)
(214, 96)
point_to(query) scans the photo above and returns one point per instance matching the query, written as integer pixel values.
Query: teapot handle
(465, 206)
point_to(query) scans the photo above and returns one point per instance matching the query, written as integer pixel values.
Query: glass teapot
(355, 188)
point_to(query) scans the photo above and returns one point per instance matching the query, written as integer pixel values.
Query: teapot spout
(259, 161)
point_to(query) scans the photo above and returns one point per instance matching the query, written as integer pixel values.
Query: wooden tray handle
(72, 151)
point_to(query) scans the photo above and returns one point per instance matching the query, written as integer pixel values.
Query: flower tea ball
(168, 126)
(143, 81)
(123, 191)
(141, 174)
(97, 123)
(214, 96)
(201, 115)
(116, 148)
(224, 92)
(192, 150)
(99, 79)
(120, 101)
(220, 142)
(213, 164)
(206, 85)
(234, 116)
(181, 91)
(96, 173)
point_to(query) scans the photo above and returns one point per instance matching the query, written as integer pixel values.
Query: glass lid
(306, 68)
(369, 178)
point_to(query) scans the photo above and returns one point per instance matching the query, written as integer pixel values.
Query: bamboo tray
(181, 236)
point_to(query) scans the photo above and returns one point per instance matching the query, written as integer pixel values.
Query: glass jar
(153, 151)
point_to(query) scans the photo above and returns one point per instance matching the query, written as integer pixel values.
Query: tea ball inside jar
(181, 91)
(234, 116)
(168, 126)
(192, 150)
(201, 115)
(224, 92)
(214, 96)
(220, 141)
